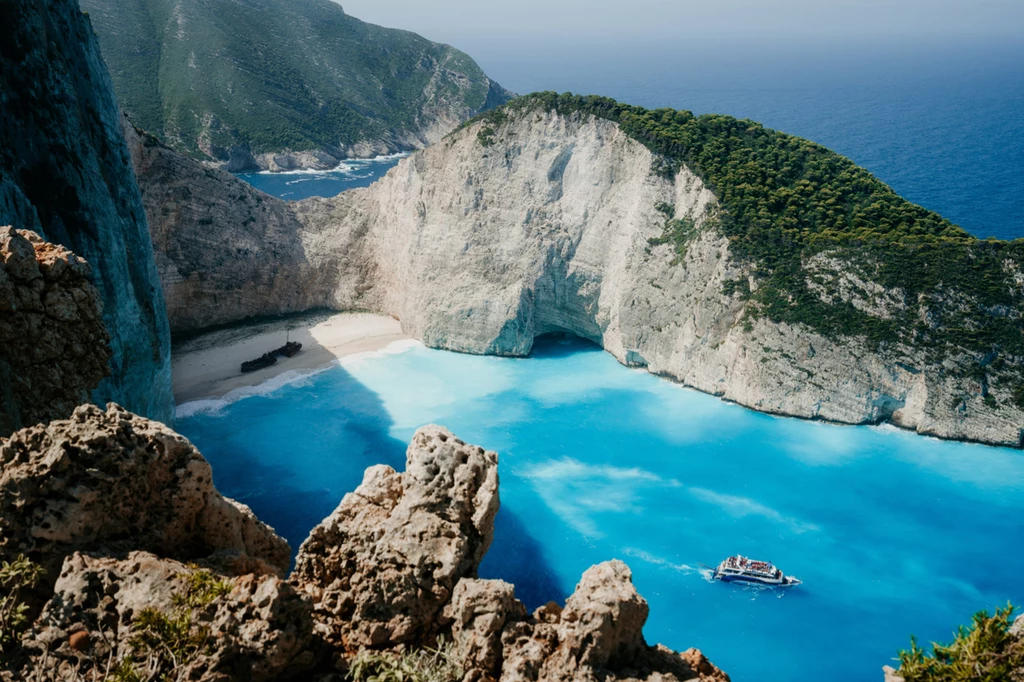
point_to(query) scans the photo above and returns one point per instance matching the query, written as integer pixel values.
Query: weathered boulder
(112, 481)
(597, 636)
(261, 629)
(384, 564)
(479, 611)
(54, 348)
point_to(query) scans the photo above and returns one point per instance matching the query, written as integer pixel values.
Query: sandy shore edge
(209, 366)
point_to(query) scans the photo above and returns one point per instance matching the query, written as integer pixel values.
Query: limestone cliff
(65, 174)
(565, 223)
(53, 345)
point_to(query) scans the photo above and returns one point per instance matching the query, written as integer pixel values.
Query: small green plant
(15, 578)
(163, 643)
(486, 136)
(985, 652)
(442, 663)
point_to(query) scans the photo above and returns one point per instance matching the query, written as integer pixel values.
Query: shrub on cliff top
(164, 643)
(985, 652)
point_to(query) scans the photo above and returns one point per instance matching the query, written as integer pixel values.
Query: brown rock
(261, 631)
(79, 641)
(480, 610)
(54, 348)
(382, 567)
(118, 482)
(598, 636)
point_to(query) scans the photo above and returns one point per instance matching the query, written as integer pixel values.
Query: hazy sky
(487, 25)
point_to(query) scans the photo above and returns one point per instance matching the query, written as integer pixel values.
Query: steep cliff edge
(540, 219)
(65, 174)
(224, 251)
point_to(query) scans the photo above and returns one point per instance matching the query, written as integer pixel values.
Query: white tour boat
(740, 569)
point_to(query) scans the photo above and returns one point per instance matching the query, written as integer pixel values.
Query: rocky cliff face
(224, 251)
(554, 223)
(65, 174)
(53, 344)
(392, 569)
(113, 481)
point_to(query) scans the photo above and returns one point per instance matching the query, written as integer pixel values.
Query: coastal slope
(282, 84)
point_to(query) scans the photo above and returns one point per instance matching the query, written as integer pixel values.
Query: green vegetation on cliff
(279, 74)
(986, 652)
(785, 200)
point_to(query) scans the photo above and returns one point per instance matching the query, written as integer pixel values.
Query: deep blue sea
(303, 184)
(893, 534)
(942, 123)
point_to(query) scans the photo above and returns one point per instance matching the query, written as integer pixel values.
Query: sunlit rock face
(555, 225)
(65, 173)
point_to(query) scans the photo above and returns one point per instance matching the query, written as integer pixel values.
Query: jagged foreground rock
(53, 345)
(65, 173)
(394, 566)
(381, 567)
(547, 228)
(597, 636)
(112, 482)
(261, 630)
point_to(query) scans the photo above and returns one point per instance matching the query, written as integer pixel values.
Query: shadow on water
(291, 456)
(557, 345)
(516, 557)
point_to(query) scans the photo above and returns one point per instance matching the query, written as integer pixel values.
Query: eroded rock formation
(114, 482)
(259, 631)
(597, 636)
(381, 568)
(65, 173)
(53, 344)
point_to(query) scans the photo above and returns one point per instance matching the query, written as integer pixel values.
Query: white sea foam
(346, 166)
(290, 378)
(656, 560)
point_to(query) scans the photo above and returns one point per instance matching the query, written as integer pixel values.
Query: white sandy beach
(208, 366)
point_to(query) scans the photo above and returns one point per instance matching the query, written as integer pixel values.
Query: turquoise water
(892, 533)
(303, 184)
